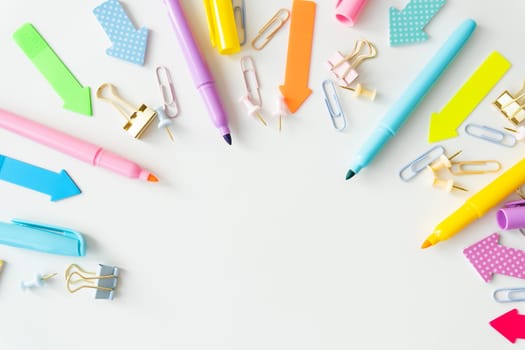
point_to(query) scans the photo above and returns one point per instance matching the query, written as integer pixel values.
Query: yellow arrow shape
(444, 125)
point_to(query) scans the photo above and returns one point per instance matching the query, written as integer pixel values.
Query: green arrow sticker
(76, 97)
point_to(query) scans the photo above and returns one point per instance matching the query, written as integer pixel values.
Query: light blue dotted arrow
(129, 44)
(406, 26)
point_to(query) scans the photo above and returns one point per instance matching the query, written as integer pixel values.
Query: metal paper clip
(475, 167)
(167, 89)
(491, 135)
(344, 67)
(512, 107)
(107, 280)
(333, 104)
(509, 295)
(271, 27)
(412, 169)
(239, 11)
(138, 119)
(251, 80)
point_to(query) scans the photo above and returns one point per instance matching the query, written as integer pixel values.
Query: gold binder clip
(137, 119)
(475, 167)
(512, 106)
(270, 29)
(107, 280)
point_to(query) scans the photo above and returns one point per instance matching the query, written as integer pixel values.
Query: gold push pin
(359, 90)
(447, 185)
(443, 162)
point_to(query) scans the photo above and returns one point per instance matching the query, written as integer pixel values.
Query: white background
(261, 245)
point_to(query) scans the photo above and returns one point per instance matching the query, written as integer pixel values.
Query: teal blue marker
(403, 108)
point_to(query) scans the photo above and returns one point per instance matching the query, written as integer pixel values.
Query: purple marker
(199, 70)
(512, 215)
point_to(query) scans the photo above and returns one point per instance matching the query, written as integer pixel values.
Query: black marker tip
(228, 139)
(350, 174)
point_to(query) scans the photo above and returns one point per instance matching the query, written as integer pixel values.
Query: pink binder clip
(347, 11)
(344, 67)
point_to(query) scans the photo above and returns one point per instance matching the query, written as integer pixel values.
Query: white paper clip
(170, 108)
(509, 295)
(333, 104)
(491, 135)
(412, 169)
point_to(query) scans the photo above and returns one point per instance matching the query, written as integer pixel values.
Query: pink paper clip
(347, 11)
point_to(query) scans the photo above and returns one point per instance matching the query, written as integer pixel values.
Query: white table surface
(262, 245)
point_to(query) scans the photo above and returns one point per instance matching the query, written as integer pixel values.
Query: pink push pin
(347, 11)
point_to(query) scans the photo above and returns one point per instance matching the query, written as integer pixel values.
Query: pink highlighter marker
(198, 68)
(72, 146)
(347, 11)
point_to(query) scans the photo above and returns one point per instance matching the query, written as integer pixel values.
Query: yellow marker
(479, 204)
(222, 26)
(443, 125)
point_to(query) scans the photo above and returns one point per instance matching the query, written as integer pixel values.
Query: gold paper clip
(512, 107)
(475, 167)
(107, 280)
(239, 12)
(137, 119)
(270, 29)
(344, 67)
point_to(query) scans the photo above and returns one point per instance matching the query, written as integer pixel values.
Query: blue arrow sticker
(406, 26)
(129, 44)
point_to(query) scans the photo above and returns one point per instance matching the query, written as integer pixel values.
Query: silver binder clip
(412, 169)
(509, 295)
(512, 105)
(491, 135)
(333, 104)
(239, 11)
(107, 280)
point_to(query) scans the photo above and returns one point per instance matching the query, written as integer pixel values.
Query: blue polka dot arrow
(129, 44)
(56, 185)
(406, 26)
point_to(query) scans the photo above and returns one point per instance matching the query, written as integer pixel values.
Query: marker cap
(347, 11)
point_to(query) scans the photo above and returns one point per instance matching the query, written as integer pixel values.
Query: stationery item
(512, 105)
(509, 295)
(42, 237)
(76, 97)
(38, 281)
(518, 133)
(107, 280)
(474, 167)
(446, 185)
(251, 80)
(129, 44)
(359, 90)
(198, 68)
(489, 257)
(222, 26)
(138, 118)
(406, 26)
(403, 108)
(281, 110)
(443, 162)
(57, 185)
(489, 134)
(443, 125)
(331, 99)
(268, 31)
(347, 11)
(1, 265)
(479, 204)
(511, 325)
(170, 108)
(72, 146)
(253, 110)
(511, 215)
(412, 169)
(239, 12)
(344, 67)
(295, 88)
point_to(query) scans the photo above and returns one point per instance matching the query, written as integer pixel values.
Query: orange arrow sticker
(295, 89)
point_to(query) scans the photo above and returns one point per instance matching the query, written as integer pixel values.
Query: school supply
(138, 118)
(281, 110)
(222, 26)
(359, 90)
(446, 185)
(511, 215)
(252, 109)
(335, 110)
(198, 68)
(511, 325)
(406, 26)
(344, 67)
(518, 132)
(1, 265)
(489, 257)
(347, 11)
(479, 204)
(72, 146)
(129, 44)
(489, 134)
(239, 12)
(295, 88)
(42, 237)
(37, 282)
(508, 295)
(57, 185)
(76, 97)
(403, 108)
(107, 280)
(251, 80)
(443, 125)
(475, 167)
(170, 107)
(412, 169)
(268, 31)
(443, 162)
(512, 105)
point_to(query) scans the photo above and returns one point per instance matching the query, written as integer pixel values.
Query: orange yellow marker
(295, 89)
